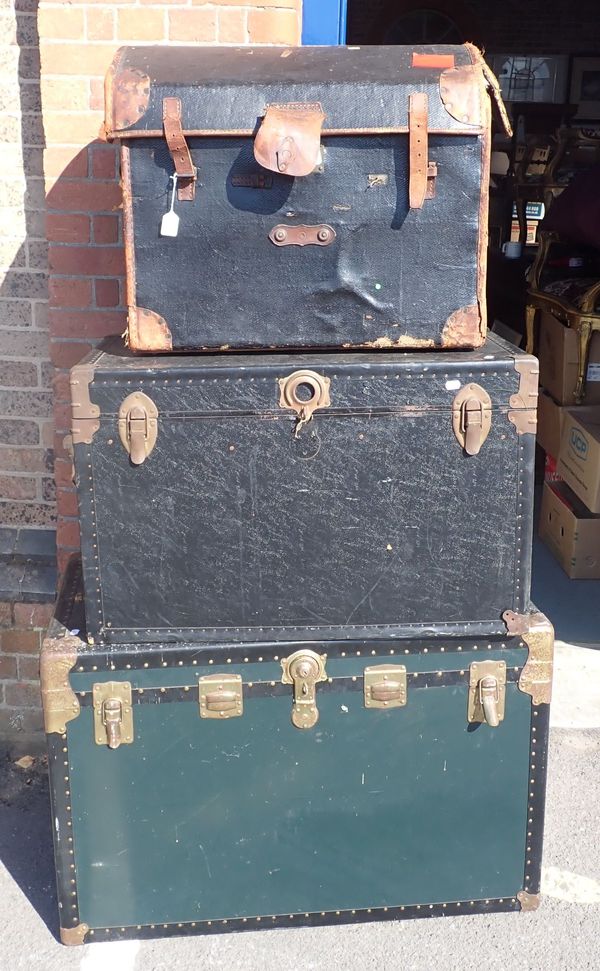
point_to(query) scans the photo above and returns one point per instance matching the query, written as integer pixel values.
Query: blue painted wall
(324, 21)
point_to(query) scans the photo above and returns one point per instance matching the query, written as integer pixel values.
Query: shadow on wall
(27, 497)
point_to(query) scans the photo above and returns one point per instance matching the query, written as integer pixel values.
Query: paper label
(593, 372)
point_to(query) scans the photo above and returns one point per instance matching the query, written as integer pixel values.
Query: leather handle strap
(178, 148)
(417, 150)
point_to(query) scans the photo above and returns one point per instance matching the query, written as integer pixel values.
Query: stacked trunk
(305, 683)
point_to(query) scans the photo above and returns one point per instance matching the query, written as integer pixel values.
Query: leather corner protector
(463, 328)
(528, 901)
(460, 91)
(85, 416)
(58, 656)
(538, 634)
(148, 331)
(130, 93)
(73, 935)
(523, 404)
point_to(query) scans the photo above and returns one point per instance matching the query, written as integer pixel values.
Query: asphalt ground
(563, 935)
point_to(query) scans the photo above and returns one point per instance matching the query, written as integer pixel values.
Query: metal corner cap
(538, 634)
(73, 935)
(528, 901)
(60, 704)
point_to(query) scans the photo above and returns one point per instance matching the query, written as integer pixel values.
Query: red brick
(71, 163)
(18, 487)
(67, 533)
(87, 260)
(90, 323)
(140, 24)
(6, 614)
(273, 27)
(96, 94)
(22, 695)
(67, 228)
(193, 26)
(100, 24)
(64, 473)
(62, 416)
(62, 93)
(21, 641)
(63, 449)
(66, 502)
(62, 22)
(33, 615)
(107, 293)
(61, 386)
(70, 291)
(82, 59)
(25, 460)
(71, 128)
(62, 559)
(232, 27)
(104, 162)
(106, 229)
(29, 667)
(84, 196)
(8, 666)
(66, 354)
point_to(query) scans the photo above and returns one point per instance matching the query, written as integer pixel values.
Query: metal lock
(487, 692)
(113, 713)
(221, 696)
(385, 686)
(472, 417)
(138, 426)
(304, 670)
(304, 392)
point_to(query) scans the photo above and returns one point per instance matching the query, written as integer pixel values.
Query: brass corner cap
(538, 634)
(528, 901)
(60, 703)
(73, 935)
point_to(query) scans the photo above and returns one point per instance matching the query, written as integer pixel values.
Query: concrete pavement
(563, 935)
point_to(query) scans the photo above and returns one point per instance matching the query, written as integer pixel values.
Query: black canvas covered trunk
(326, 197)
(253, 497)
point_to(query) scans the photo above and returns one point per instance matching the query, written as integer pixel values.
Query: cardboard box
(558, 354)
(532, 228)
(550, 473)
(571, 532)
(579, 454)
(550, 422)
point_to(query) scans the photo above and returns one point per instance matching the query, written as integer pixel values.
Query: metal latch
(304, 670)
(221, 696)
(138, 426)
(385, 686)
(304, 392)
(321, 235)
(487, 692)
(113, 714)
(472, 417)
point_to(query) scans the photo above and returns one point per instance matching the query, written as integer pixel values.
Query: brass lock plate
(304, 669)
(304, 392)
(487, 692)
(113, 713)
(221, 696)
(321, 235)
(385, 686)
(138, 426)
(472, 417)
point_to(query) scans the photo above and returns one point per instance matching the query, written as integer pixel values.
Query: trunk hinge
(113, 713)
(178, 148)
(138, 426)
(472, 417)
(304, 669)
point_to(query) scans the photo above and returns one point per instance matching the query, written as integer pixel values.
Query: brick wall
(511, 26)
(26, 456)
(77, 42)
(21, 628)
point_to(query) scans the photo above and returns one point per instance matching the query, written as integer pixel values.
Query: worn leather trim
(289, 139)
(460, 91)
(148, 331)
(326, 132)
(127, 97)
(417, 149)
(178, 147)
(128, 229)
(463, 328)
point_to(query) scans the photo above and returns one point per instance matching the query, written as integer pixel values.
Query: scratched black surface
(373, 516)
(389, 273)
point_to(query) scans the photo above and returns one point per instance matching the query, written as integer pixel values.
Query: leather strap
(178, 147)
(417, 150)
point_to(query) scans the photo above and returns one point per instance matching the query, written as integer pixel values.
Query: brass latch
(472, 417)
(113, 714)
(304, 669)
(385, 686)
(304, 392)
(487, 692)
(221, 696)
(138, 426)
